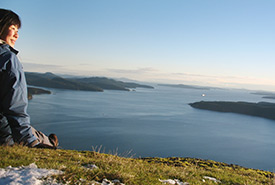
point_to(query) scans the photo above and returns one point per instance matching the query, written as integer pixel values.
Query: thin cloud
(131, 71)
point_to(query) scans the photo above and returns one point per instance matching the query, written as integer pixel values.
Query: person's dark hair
(8, 18)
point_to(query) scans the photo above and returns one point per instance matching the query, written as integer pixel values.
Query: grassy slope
(128, 170)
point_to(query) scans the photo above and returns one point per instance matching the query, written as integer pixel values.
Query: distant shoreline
(186, 86)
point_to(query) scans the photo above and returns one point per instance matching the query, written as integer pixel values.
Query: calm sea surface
(157, 123)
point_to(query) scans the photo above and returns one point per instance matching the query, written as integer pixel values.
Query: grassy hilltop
(145, 171)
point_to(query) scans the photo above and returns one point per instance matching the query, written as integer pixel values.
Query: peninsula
(100, 84)
(261, 109)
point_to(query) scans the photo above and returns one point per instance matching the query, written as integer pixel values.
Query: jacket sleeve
(15, 102)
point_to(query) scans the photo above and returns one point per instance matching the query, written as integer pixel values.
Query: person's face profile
(11, 35)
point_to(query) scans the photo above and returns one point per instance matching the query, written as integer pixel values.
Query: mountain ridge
(98, 84)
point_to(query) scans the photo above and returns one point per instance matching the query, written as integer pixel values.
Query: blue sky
(225, 43)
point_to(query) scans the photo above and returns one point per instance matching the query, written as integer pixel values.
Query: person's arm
(15, 102)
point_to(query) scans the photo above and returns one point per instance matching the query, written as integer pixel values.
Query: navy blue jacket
(13, 95)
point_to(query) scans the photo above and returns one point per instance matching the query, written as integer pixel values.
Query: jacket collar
(8, 47)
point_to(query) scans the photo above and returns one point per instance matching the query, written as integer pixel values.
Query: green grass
(129, 170)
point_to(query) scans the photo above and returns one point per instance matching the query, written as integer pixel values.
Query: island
(99, 84)
(33, 91)
(266, 95)
(260, 109)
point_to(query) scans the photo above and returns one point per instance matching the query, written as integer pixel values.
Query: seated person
(14, 121)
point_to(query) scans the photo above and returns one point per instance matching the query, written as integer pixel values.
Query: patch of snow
(113, 182)
(91, 166)
(108, 182)
(175, 181)
(27, 175)
(212, 179)
(169, 181)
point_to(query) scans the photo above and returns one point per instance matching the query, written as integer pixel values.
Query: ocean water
(157, 123)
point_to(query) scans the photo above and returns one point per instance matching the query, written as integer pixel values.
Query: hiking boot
(54, 140)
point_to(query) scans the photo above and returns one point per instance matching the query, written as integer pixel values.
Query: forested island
(99, 84)
(261, 109)
(33, 91)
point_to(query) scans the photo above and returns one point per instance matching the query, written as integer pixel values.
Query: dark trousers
(5, 131)
(6, 134)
